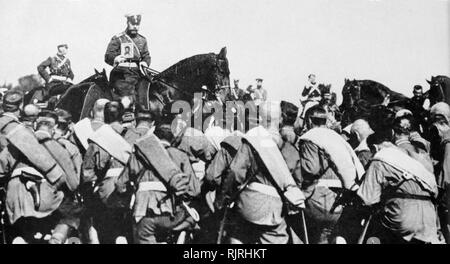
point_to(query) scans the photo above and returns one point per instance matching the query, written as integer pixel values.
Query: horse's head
(437, 91)
(351, 93)
(99, 78)
(222, 72)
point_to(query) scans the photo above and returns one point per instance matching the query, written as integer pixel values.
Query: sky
(399, 43)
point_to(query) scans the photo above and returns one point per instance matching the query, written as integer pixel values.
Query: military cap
(31, 110)
(12, 101)
(402, 112)
(417, 87)
(63, 45)
(259, 79)
(134, 19)
(442, 109)
(63, 116)
(316, 112)
(46, 115)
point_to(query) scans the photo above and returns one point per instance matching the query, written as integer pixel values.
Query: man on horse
(125, 74)
(311, 90)
(61, 75)
(419, 99)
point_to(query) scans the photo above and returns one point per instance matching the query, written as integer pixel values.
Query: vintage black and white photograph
(245, 122)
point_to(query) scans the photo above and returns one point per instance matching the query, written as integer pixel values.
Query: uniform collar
(11, 115)
(42, 134)
(165, 144)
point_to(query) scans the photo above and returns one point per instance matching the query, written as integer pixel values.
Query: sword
(305, 230)
(366, 226)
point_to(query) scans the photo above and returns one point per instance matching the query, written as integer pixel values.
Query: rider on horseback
(61, 75)
(125, 74)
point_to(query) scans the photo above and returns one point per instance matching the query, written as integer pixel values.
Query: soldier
(440, 119)
(162, 198)
(84, 128)
(32, 195)
(311, 91)
(360, 130)
(144, 119)
(237, 94)
(125, 73)
(419, 99)
(29, 115)
(260, 94)
(262, 183)
(12, 102)
(402, 127)
(104, 161)
(327, 162)
(60, 75)
(404, 190)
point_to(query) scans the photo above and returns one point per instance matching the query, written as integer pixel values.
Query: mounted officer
(60, 75)
(127, 65)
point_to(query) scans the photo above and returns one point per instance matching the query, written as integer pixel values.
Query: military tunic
(108, 207)
(123, 78)
(405, 219)
(153, 211)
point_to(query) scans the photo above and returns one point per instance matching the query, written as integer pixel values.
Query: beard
(132, 32)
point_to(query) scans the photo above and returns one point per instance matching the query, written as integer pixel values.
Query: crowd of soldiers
(293, 177)
(150, 181)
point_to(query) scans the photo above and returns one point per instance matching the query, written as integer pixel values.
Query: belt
(151, 186)
(17, 172)
(411, 196)
(61, 78)
(263, 188)
(128, 64)
(333, 183)
(115, 172)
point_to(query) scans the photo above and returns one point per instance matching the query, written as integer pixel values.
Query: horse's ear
(96, 72)
(104, 71)
(429, 82)
(346, 80)
(223, 53)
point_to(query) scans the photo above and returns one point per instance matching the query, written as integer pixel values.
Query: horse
(359, 96)
(439, 89)
(182, 80)
(79, 99)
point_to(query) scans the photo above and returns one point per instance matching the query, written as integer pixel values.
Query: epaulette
(120, 34)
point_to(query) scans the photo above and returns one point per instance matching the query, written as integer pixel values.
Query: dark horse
(439, 89)
(360, 96)
(178, 82)
(79, 99)
(183, 79)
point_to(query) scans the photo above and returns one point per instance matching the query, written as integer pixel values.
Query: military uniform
(125, 76)
(321, 160)
(109, 208)
(154, 212)
(60, 75)
(405, 190)
(9, 120)
(258, 214)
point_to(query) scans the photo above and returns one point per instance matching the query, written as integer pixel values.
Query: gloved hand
(142, 66)
(295, 197)
(179, 183)
(119, 59)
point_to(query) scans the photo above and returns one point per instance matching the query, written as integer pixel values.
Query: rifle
(228, 201)
(3, 214)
